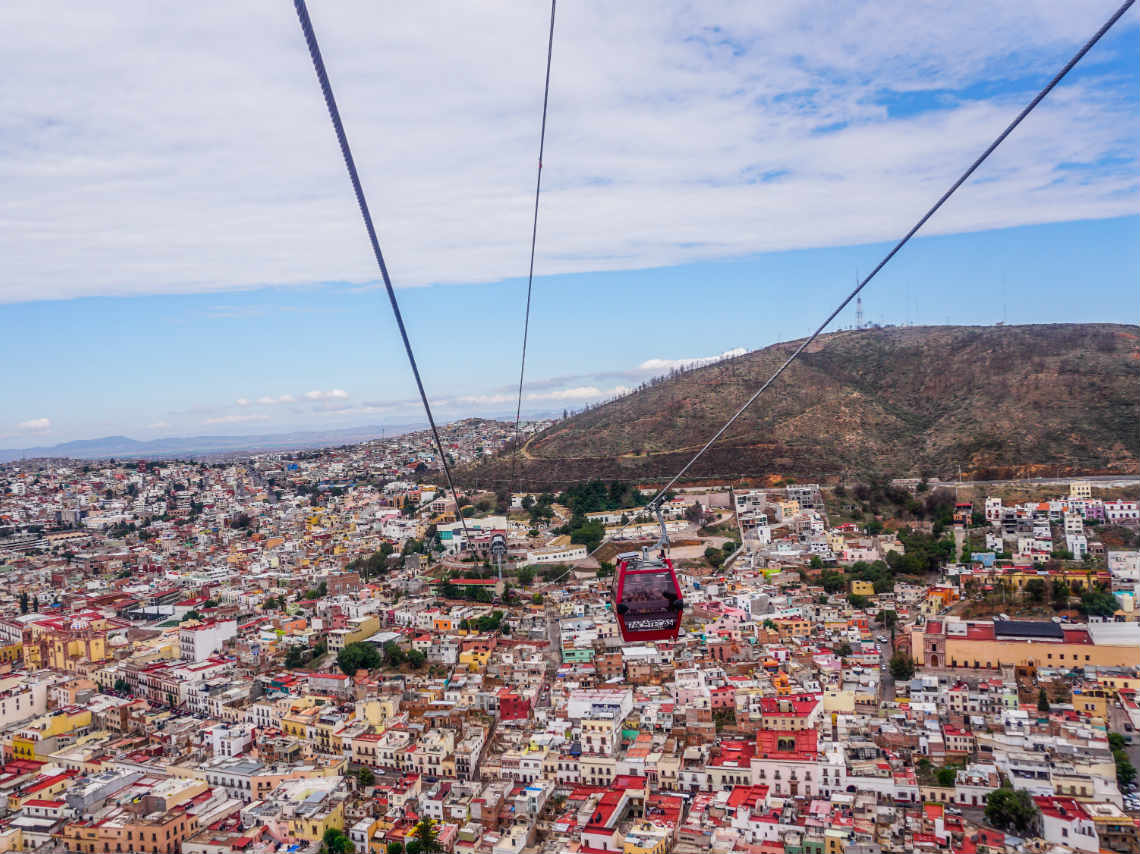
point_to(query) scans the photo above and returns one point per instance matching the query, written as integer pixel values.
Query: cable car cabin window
(649, 607)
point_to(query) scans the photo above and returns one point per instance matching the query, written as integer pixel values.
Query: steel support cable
(354, 177)
(533, 241)
(894, 251)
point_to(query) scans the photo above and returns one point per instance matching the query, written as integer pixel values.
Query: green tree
(365, 777)
(395, 848)
(946, 776)
(589, 534)
(1060, 594)
(190, 615)
(122, 686)
(728, 547)
(295, 657)
(1099, 603)
(336, 842)
(815, 562)
(902, 668)
(24, 602)
(1035, 590)
(1009, 809)
(393, 655)
(427, 835)
(358, 656)
(1125, 771)
(416, 659)
(887, 618)
(832, 582)
(1042, 700)
(843, 650)
(857, 601)
(413, 847)
(714, 556)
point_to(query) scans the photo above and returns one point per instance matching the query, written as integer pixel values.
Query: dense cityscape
(586, 428)
(319, 650)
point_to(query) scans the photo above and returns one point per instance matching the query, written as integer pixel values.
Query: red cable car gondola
(647, 596)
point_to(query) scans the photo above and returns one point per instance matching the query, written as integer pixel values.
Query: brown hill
(999, 401)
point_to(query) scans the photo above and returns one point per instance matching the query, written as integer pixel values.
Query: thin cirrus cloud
(236, 419)
(814, 130)
(314, 395)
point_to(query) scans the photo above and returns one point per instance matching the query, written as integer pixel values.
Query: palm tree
(425, 833)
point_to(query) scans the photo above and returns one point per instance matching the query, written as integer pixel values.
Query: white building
(1078, 544)
(1121, 511)
(557, 554)
(1124, 565)
(229, 739)
(198, 641)
(1065, 822)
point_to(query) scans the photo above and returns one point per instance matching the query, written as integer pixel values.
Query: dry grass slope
(999, 401)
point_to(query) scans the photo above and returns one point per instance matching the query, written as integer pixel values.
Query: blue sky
(183, 255)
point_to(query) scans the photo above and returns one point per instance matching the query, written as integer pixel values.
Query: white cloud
(269, 400)
(334, 394)
(236, 419)
(687, 131)
(581, 388)
(663, 365)
(158, 425)
(579, 392)
(35, 425)
(242, 401)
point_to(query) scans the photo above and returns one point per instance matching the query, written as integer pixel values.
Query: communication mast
(859, 313)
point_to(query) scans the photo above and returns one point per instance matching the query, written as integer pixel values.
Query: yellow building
(792, 627)
(862, 588)
(358, 629)
(43, 787)
(1092, 701)
(475, 660)
(787, 508)
(376, 712)
(1024, 643)
(65, 643)
(647, 837)
(312, 829)
(1117, 682)
(26, 741)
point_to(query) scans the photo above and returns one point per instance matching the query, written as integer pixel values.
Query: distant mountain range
(998, 401)
(123, 447)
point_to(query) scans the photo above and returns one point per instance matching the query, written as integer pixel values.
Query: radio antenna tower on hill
(859, 313)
